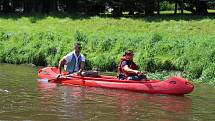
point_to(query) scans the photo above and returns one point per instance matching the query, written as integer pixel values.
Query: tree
(201, 7)
(93, 7)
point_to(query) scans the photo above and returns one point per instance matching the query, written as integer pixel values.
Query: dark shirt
(129, 64)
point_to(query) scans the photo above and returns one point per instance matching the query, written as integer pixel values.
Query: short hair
(128, 52)
(77, 43)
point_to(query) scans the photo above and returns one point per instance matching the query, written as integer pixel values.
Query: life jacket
(121, 71)
(70, 66)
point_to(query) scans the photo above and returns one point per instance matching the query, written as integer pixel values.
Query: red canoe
(172, 86)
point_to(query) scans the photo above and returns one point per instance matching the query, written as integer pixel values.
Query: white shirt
(69, 56)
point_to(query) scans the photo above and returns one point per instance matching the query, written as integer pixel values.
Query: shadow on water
(120, 104)
(154, 18)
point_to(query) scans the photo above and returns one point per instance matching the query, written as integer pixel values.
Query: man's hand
(78, 73)
(59, 76)
(137, 72)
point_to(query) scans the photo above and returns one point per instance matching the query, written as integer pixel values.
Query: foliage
(167, 5)
(96, 7)
(159, 45)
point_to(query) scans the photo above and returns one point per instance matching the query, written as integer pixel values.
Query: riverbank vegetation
(164, 45)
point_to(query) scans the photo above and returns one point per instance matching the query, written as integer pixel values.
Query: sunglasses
(79, 47)
(130, 54)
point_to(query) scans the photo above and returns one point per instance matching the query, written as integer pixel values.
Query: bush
(165, 5)
(159, 45)
(208, 73)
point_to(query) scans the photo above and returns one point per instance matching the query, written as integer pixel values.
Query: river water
(22, 97)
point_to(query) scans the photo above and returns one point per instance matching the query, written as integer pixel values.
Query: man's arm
(81, 68)
(127, 69)
(62, 62)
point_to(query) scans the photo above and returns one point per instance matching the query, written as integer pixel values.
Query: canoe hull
(172, 86)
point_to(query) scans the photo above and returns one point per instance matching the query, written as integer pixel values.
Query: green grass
(163, 45)
(211, 11)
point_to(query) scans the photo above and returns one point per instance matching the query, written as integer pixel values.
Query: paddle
(46, 80)
(59, 76)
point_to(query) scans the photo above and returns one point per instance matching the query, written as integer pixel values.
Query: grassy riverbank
(161, 43)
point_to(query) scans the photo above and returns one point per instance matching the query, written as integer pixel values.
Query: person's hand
(59, 76)
(137, 72)
(140, 74)
(79, 73)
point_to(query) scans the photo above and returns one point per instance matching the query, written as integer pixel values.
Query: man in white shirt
(74, 61)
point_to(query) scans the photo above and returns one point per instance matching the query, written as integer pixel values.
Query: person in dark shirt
(127, 69)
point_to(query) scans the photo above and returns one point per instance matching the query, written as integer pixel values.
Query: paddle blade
(44, 80)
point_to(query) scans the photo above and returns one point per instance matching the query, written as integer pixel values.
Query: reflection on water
(22, 97)
(98, 104)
